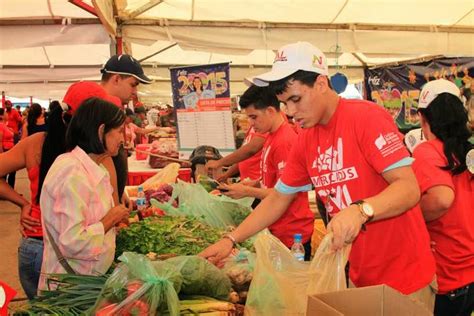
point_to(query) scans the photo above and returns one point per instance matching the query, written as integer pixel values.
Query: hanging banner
(397, 88)
(202, 105)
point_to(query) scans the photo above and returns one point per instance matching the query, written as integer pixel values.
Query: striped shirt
(76, 195)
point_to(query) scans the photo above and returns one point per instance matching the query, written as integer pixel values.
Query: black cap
(125, 65)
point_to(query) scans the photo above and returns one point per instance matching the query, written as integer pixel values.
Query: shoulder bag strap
(60, 256)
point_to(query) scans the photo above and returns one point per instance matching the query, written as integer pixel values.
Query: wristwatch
(365, 209)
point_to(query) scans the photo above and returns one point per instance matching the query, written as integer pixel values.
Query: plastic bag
(239, 268)
(140, 287)
(167, 175)
(216, 211)
(281, 284)
(201, 277)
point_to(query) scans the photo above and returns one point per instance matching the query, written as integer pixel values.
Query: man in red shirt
(353, 155)
(245, 160)
(263, 109)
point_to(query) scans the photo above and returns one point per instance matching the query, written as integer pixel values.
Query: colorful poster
(201, 87)
(202, 104)
(398, 87)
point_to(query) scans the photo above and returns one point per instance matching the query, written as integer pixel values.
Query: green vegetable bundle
(74, 295)
(168, 235)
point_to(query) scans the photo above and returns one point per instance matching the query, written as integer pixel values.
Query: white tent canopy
(43, 48)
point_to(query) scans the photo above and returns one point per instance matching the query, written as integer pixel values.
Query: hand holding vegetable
(218, 251)
(114, 216)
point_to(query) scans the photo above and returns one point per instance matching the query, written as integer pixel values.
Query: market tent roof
(39, 46)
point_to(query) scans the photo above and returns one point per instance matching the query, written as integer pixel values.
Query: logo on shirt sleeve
(388, 143)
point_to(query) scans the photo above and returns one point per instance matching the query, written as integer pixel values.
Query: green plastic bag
(281, 284)
(216, 211)
(140, 287)
(201, 277)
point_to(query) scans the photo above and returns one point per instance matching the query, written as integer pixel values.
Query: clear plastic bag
(216, 211)
(140, 287)
(281, 284)
(201, 277)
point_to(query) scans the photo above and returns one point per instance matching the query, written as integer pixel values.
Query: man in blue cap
(121, 75)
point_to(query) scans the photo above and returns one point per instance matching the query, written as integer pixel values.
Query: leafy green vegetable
(201, 277)
(178, 235)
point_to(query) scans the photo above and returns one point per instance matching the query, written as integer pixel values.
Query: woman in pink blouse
(76, 200)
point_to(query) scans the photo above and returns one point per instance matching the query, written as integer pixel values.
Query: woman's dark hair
(84, 126)
(34, 113)
(53, 146)
(447, 119)
(202, 84)
(2, 111)
(260, 98)
(53, 105)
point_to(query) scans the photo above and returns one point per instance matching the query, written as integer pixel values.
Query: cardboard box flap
(371, 300)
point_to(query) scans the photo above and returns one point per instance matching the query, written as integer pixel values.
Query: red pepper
(133, 286)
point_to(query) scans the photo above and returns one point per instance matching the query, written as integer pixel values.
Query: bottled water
(297, 248)
(141, 199)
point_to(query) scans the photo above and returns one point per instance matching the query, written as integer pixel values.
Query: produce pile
(161, 235)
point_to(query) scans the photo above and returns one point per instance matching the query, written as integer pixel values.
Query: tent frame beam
(322, 26)
(55, 21)
(151, 4)
(84, 6)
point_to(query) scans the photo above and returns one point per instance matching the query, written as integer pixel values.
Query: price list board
(213, 128)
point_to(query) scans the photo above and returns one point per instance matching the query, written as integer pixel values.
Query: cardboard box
(372, 300)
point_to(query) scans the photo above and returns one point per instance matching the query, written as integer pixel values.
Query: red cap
(8, 102)
(80, 91)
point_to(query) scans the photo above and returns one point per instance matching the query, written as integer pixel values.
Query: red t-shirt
(7, 139)
(14, 119)
(298, 218)
(344, 160)
(33, 175)
(250, 168)
(453, 232)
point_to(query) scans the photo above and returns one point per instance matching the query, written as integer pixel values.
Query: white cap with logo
(433, 88)
(291, 58)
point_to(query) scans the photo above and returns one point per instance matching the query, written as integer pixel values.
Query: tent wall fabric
(58, 41)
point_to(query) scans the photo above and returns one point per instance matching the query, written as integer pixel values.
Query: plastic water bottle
(297, 248)
(141, 199)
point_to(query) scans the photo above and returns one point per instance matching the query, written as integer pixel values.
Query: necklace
(322, 159)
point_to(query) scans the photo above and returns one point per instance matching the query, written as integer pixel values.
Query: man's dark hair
(260, 98)
(82, 130)
(447, 118)
(305, 77)
(107, 75)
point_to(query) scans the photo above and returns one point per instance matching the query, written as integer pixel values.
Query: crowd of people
(408, 217)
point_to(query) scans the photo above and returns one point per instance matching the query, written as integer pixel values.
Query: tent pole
(3, 99)
(84, 6)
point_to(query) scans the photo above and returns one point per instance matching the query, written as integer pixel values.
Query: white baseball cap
(291, 58)
(413, 138)
(433, 88)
